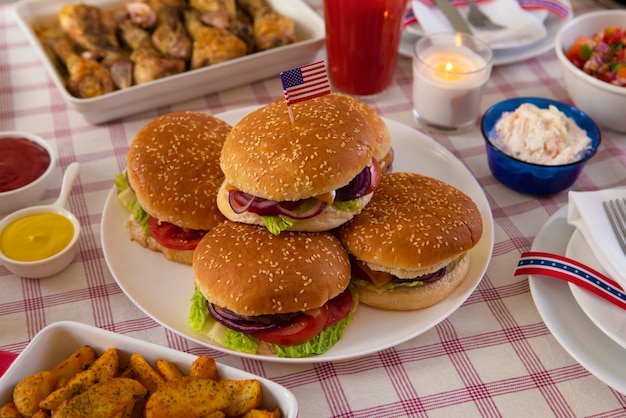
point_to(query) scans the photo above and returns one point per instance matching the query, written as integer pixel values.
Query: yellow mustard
(35, 237)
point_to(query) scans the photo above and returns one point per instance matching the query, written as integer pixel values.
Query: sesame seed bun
(378, 125)
(249, 271)
(173, 168)
(268, 156)
(414, 225)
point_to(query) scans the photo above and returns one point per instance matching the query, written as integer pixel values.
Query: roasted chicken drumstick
(271, 29)
(211, 45)
(149, 63)
(87, 77)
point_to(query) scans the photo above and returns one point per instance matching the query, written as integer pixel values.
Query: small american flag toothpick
(304, 83)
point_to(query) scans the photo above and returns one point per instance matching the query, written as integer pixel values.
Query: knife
(454, 17)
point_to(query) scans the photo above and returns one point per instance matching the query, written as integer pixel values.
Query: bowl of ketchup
(27, 163)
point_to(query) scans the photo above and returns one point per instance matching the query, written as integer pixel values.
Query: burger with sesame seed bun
(312, 174)
(409, 246)
(257, 292)
(171, 182)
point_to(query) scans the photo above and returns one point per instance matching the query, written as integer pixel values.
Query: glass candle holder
(450, 71)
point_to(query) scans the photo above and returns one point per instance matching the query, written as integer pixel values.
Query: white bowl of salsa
(27, 164)
(603, 101)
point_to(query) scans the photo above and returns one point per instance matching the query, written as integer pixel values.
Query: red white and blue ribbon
(560, 267)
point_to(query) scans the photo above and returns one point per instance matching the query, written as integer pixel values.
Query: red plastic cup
(362, 39)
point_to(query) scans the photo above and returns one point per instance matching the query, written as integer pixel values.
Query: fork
(616, 211)
(480, 20)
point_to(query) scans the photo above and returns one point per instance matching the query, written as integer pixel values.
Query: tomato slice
(301, 330)
(339, 307)
(173, 236)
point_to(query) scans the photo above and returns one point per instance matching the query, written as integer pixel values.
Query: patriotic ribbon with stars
(564, 268)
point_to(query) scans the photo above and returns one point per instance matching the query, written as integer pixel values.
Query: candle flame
(449, 67)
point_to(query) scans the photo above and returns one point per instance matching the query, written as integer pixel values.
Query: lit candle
(448, 83)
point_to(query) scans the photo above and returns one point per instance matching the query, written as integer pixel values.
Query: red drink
(362, 39)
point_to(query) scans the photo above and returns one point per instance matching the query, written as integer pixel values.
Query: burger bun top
(173, 168)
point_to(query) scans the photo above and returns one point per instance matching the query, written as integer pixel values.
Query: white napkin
(586, 213)
(521, 27)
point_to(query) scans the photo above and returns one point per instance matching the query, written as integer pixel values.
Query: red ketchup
(367, 67)
(21, 162)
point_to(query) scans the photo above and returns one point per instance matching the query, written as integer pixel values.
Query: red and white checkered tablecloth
(493, 357)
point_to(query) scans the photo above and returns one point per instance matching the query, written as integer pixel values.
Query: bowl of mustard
(40, 241)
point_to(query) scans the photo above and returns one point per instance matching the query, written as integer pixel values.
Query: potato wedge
(112, 398)
(9, 410)
(244, 395)
(106, 366)
(144, 372)
(31, 390)
(187, 397)
(168, 370)
(76, 385)
(204, 366)
(262, 413)
(80, 360)
(103, 368)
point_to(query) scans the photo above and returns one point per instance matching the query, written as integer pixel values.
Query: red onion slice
(305, 209)
(357, 186)
(238, 323)
(239, 202)
(426, 278)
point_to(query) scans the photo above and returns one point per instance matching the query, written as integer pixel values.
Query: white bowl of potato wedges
(71, 369)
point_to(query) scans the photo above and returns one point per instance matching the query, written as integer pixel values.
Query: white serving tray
(59, 340)
(187, 85)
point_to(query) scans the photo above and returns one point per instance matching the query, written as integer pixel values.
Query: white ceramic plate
(416, 30)
(510, 55)
(608, 317)
(595, 351)
(162, 289)
(58, 340)
(187, 85)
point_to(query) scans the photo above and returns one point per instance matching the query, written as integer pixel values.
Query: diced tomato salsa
(602, 55)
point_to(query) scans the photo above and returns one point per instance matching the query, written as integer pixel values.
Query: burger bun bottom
(405, 298)
(137, 234)
(330, 218)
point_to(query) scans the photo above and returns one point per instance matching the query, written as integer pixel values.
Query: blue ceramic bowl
(530, 178)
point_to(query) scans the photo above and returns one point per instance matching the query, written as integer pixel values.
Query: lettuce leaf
(129, 200)
(363, 284)
(277, 223)
(352, 205)
(240, 341)
(199, 314)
